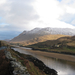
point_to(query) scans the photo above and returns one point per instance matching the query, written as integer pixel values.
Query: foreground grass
(32, 69)
(5, 66)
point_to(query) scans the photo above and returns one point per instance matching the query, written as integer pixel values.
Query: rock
(18, 65)
(18, 68)
(8, 55)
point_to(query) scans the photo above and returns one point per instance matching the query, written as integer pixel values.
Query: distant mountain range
(42, 34)
(37, 32)
(48, 30)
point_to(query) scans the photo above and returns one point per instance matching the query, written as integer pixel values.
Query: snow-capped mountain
(64, 31)
(36, 32)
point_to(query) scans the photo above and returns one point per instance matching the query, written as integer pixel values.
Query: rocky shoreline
(18, 69)
(15, 63)
(42, 66)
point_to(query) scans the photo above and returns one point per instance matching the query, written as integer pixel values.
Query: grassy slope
(61, 45)
(5, 68)
(32, 69)
(39, 39)
(3, 43)
(34, 66)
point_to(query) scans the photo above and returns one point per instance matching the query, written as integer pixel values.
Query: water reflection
(3, 47)
(61, 66)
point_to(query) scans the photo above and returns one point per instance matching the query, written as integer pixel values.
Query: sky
(19, 15)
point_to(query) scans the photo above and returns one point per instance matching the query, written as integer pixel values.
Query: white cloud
(2, 2)
(68, 18)
(27, 14)
(73, 22)
(48, 9)
(68, 7)
(51, 11)
(18, 13)
(70, 10)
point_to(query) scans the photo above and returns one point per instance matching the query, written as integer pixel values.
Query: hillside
(3, 43)
(37, 32)
(61, 45)
(15, 63)
(5, 66)
(39, 39)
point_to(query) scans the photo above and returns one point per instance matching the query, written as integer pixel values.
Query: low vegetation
(3, 43)
(34, 66)
(64, 45)
(37, 40)
(5, 66)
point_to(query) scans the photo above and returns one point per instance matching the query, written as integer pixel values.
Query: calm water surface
(61, 66)
(3, 47)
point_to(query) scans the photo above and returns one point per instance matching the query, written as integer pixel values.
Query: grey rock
(18, 68)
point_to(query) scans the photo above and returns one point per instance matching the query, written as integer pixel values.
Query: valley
(56, 45)
(63, 64)
(63, 45)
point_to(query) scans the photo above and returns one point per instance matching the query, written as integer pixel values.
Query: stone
(18, 68)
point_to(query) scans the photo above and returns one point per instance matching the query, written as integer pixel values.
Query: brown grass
(32, 69)
(40, 39)
(4, 64)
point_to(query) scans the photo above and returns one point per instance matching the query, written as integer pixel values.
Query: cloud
(73, 22)
(48, 10)
(54, 13)
(27, 14)
(68, 18)
(20, 15)
(68, 7)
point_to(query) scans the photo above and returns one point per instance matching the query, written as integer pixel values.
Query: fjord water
(61, 66)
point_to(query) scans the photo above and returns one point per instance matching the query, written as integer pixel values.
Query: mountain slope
(42, 39)
(3, 43)
(37, 32)
(39, 39)
(64, 45)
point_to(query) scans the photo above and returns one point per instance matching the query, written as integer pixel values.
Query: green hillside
(38, 39)
(64, 45)
(3, 43)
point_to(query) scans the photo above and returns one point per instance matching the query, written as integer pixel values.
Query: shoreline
(34, 62)
(52, 55)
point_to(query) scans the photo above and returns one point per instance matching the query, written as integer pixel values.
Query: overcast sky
(19, 15)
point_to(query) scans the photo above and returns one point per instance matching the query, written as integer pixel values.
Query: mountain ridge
(37, 32)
